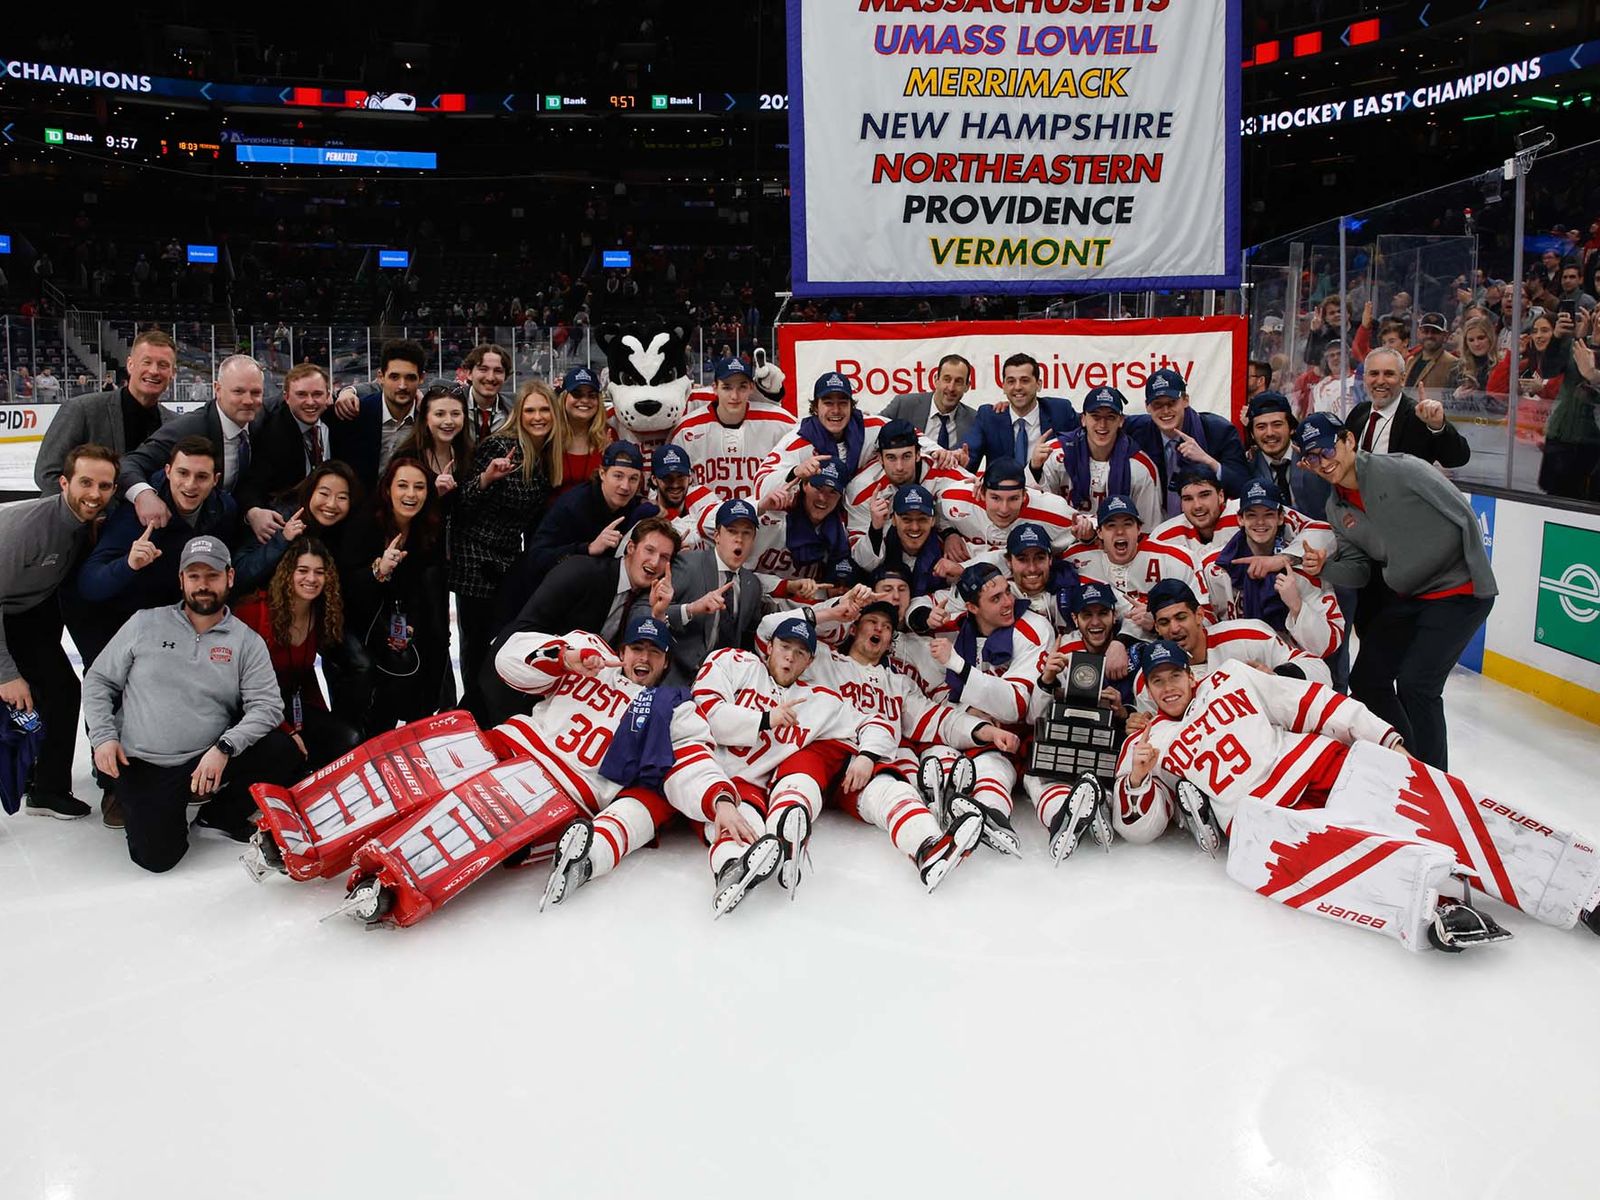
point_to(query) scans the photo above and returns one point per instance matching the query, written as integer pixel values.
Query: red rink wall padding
(890, 359)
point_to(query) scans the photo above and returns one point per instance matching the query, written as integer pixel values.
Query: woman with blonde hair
(581, 432)
(502, 500)
(1478, 357)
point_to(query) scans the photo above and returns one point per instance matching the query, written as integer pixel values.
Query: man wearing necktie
(1023, 424)
(717, 598)
(939, 414)
(487, 366)
(1177, 437)
(289, 442)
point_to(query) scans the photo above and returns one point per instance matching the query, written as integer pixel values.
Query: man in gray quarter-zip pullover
(199, 716)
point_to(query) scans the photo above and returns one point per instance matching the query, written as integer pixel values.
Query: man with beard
(1096, 629)
(1037, 577)
(41, 543)
(198, 716)
(901, 461)
(1099, 460)
(939, 415)
(907, 543)
(374, 419)
(1431, 365)
(804, 554)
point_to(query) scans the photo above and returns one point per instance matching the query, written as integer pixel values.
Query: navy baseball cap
(884, 609)
(1004, 473)
(828, 476)
(579, 377)
(1195, 473)
(736, 510)
(1170, 591)
(974, 579)
(670, 460)
(1318, 433)
(913, 498)
(728, 367)
(1025, 536)
(1165, 382)
(648, 629)
(797, 629)
(1268, 402)
(1090, 593)
(623, 454)
(832, 382)
(1261, 493)
(1104, 397)
(897, 435)
(1162, 653)
(1118, 506)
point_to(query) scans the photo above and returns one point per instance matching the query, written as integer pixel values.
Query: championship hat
(579, 377)
(1117, 506)
(1003, 473)
(1104, 397)
(1090, 593)
(1318, 433)
(913, 498)
(1170, 591)
(897, 435)
(728, 367)
(1164, 382)
(731, 511)
(647, 629)
(828, 476)
(1162, 653)
(1025, 536)
(670, 460)
(624, 454)
(831, 383)
(974, 579)
(1260, 493)
(797, 629)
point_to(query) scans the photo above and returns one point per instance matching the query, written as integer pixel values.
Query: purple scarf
(855, 437)
(1075, 448)
(827, 543)
(1258, 598)
(996, 652)
(641, 747)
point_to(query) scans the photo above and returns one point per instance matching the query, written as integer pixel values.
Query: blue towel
(641, 747)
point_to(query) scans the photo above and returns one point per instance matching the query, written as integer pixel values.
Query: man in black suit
(487, 366)
(371, 422)
(120, 420)
(291, 443)
(1390, 422)
(231, 422)
(720, 596)
(592, 594)
(1270, 421)
(1176, 437)
(939, 415)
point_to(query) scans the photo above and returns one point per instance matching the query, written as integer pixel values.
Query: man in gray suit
(939, 415)
(119, 420)
(728, 607)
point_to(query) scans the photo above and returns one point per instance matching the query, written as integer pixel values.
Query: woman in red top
(302, 611)
(581, 434)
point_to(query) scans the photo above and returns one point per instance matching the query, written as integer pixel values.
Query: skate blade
(255, 864)
(765, 855)
(574, 844)
(964, 837)
(1002, 841)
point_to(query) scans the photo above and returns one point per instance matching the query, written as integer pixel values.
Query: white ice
(1132, 1024)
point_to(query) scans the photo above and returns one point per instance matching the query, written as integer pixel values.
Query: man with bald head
(228, 421)
(1390, 422)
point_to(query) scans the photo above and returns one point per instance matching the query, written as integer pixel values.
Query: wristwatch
(226, 747)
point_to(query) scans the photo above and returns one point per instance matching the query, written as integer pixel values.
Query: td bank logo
(1567, 616)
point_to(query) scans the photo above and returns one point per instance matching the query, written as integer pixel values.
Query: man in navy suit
(1022, 427)
(1175, 437)
(1270, 422)
(373, 421)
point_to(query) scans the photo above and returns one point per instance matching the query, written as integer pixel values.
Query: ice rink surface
(1132, 1024)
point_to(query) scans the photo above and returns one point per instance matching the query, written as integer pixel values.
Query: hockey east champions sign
(964, 146)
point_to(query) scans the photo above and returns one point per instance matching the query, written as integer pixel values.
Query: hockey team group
(1112, 621)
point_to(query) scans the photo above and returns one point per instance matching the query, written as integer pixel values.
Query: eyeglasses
(1310, 458)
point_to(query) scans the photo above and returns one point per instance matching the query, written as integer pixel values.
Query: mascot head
(649, 379)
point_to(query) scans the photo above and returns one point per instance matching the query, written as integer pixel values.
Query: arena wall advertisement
(887, 360)
(946, 146)
(22, 428)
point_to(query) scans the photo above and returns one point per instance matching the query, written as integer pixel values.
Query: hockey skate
(997, 833)
(1457, 925)
(960, 778)
(1085, 810)
(262, 856)
(368, 901)
(1195, 807)
(759, 860)
(794, 835)
(1590, 917)
(930, 783)
(572, 868)
(937, 857)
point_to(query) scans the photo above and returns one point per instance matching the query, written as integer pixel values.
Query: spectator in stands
(119, 420)
(41, 543)
(1475, 367)
(46, 387)
(320, 508)
(581, 434)
(1431, 365)
(1174, 436)
(300, 614)
(1570, 464)
(372, 421)
(292, 442)
(230, 422)
(940, 414)
(1542, 359)
(1023, 426)
(392, 570)
(1257, 378)
(487, 366)
(1327, 326)
(1269, 425)
(503, 499)
(1572, 287)
(182, 706)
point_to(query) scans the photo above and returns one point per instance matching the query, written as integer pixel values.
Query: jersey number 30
(587, 741)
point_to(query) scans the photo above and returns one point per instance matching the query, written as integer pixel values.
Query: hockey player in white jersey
(861, 673)
(728, 439)
(587, 694)
(1038, 578)
(1209, 519)
(1302, 610)
(1131, 563)
(1098, 460)
(804, 554)
(1326, 813)
(784, 743)
(980, 516)
(989, 663)
(1209, 645)
(835, 429)
(902, 460)
(906, 542)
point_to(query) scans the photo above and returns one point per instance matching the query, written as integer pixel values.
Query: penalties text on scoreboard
(952, 147)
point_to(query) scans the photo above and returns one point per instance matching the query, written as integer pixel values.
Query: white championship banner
(946, 146)
(886, 360)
